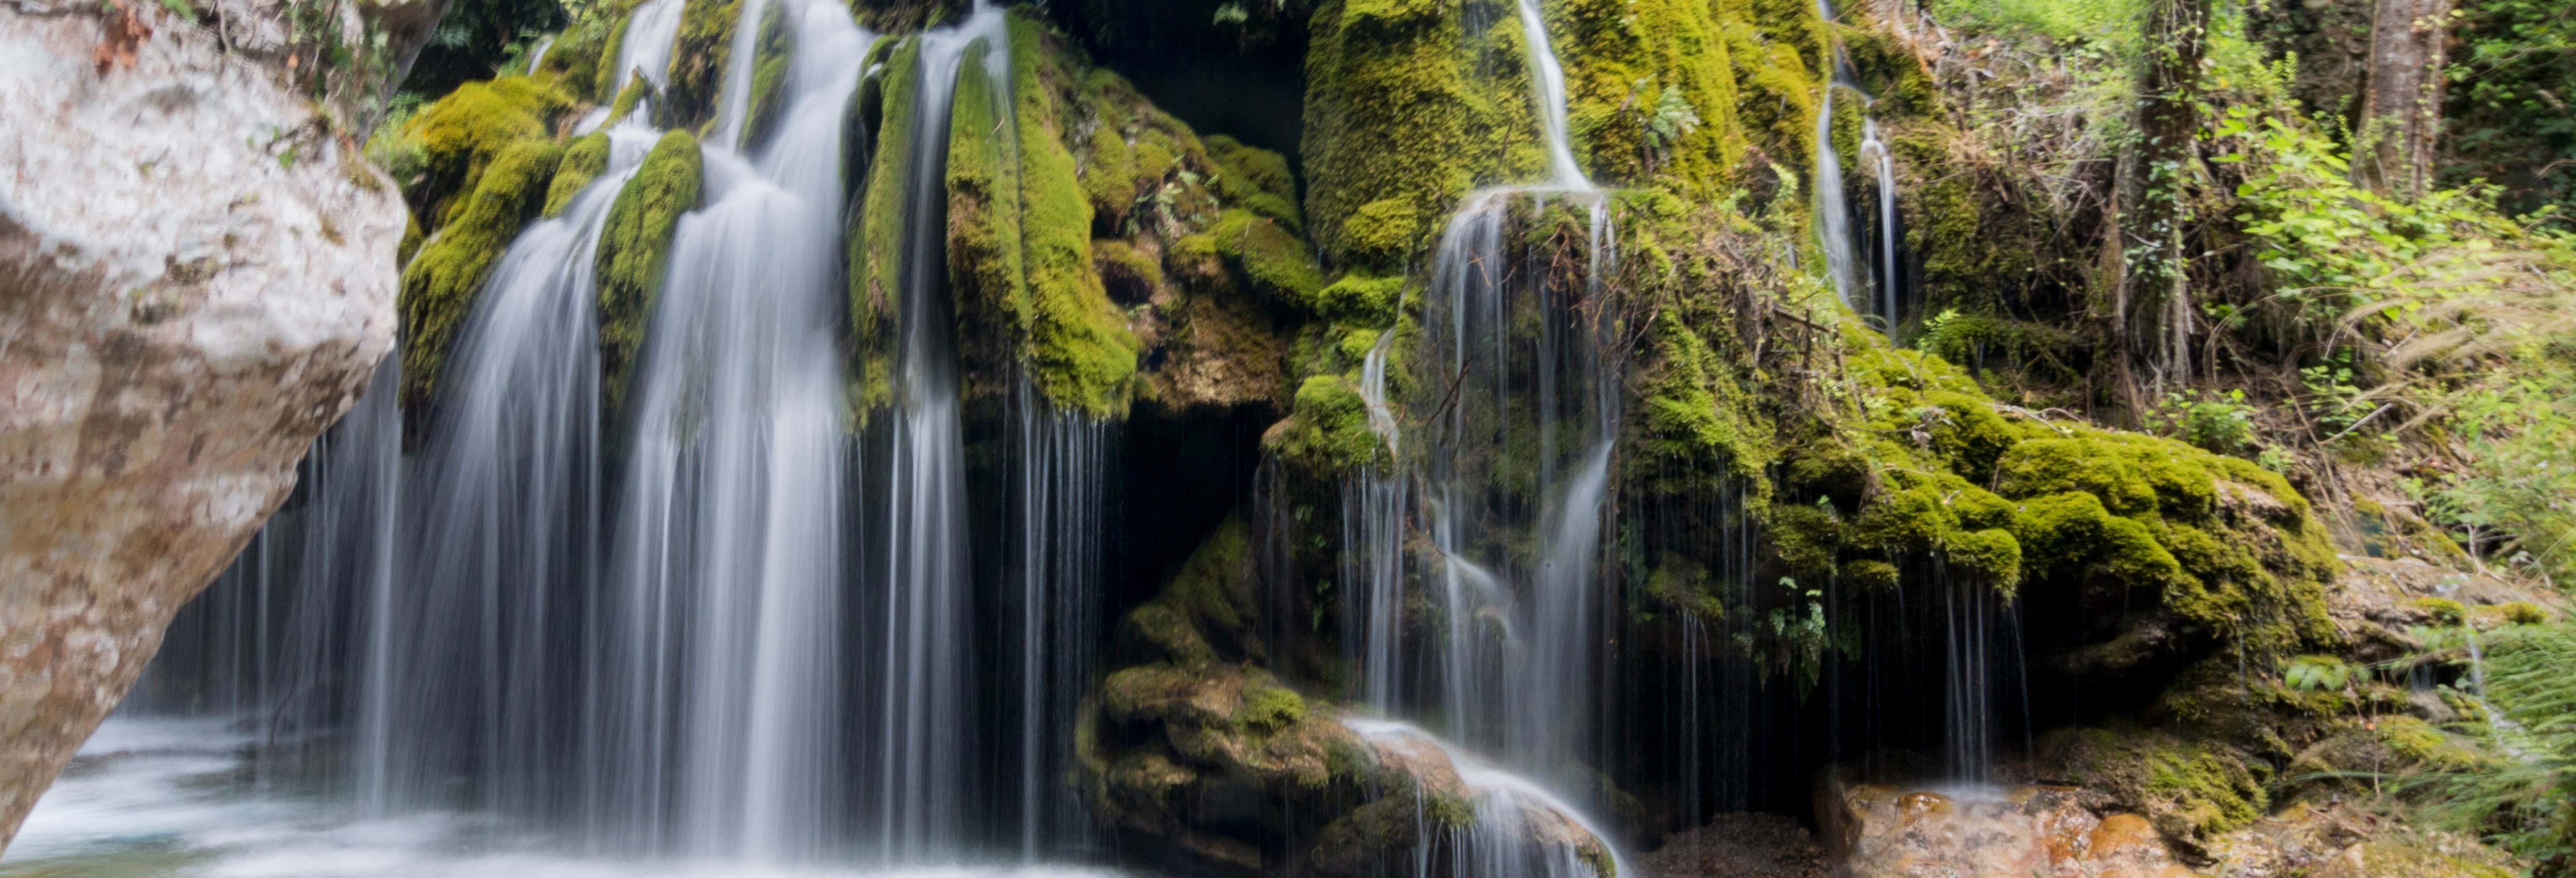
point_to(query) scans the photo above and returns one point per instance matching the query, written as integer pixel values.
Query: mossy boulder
(635, 253)
(450, 143)
(1020, 224)
(2111, 533)
(441, 281)
(1327, 431)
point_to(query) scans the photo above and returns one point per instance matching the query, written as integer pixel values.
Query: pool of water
(175, 797)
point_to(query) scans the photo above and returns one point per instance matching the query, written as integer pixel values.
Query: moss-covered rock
(635, 252)
(1327, 432)
(2190, 790)
(1270, 259)
(1454, 91)
(699, 55)
(441, 281)
(583, 162)
(777, 58)
(457, 137)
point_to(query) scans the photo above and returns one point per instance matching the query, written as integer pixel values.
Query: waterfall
(736, 99)
(651, 33)
(1891, 282)
(1547, 81)
(1833, 227)
(537, 54)
(722, 715)
(1510, 484)
(504, 527)
(1064, 471)
(1521, 829)
(921, 768)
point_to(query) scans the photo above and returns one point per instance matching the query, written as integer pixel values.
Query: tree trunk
(2401, 110)
(2152, 315)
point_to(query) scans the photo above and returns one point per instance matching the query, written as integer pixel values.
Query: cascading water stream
(736, 99)
(1519, 663)
(645, 49)
(722, 712)
(1064, 472)
(1547, 81)
(504, 526)
(920, 764)
(1890, 282)
(1521, 829)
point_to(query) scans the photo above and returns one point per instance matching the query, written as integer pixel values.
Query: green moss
(1270, 709)
(411, 238)
(2443, 610)
(1204, 614)
(1680, 584)
(876, 248)
(2189, 790)
(635, 251)
(777, 54)
(1698, 428)
(2419, 742)
(1383, 233)
(1250, 172)
(604, 75)
(634, 93)
(1633, 52)
(1269, 259)
(699, 54)
(1128, 274)
(1361, 300)
(1327, 429)
(1109, 175)
(1082, 355)
(458, 136)
(440, 282)
(1411, 72)
(582, 163)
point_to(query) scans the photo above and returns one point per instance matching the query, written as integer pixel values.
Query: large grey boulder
(196, 277)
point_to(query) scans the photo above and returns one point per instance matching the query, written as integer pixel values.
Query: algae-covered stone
(777, 55)
(1453, 89)
(699, 55)
(459, 136)
(1328, 430)
(1269, 258)
(441, 281)
(635, 251)
(583, 162)
(2189, 790)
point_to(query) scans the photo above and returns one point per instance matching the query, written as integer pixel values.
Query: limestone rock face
(1889, 832)
(196, 278)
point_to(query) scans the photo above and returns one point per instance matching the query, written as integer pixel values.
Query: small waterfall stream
(1890, 278)
(1518, 664)
(729, 552)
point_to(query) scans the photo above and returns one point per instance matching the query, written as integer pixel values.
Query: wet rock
(2020, 832)
(1738, 846)
(196, 277)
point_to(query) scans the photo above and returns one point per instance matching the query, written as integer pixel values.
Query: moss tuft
(1327, 430)
(1361, 300)
(1269, 259)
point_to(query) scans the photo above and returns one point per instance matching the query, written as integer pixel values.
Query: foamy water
(174, 797)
